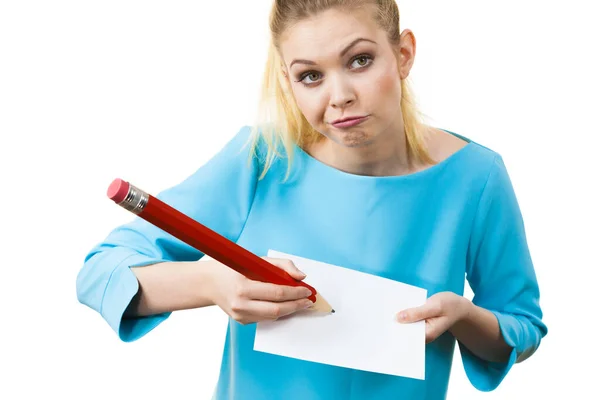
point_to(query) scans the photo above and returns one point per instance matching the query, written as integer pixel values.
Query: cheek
(384, 93)
(309, 104)
(388, 85)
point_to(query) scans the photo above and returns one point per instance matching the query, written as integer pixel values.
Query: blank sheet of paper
(362, 334)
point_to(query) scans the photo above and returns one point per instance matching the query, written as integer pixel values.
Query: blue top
(431, 229)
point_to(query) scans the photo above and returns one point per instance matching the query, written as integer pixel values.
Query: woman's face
(341, 65)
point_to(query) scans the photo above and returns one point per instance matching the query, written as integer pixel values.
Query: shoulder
(479, 155)
(489, 175)
(246, 145)
(250, 141)
(241, 141)
(476, 167)
(445, 143)
(233, 160)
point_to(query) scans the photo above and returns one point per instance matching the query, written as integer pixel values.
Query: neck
(386, 155)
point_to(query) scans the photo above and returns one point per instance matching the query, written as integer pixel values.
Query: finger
(288, 266)
(428, 310)
(255, 290)
(261, 310)
(435, 327)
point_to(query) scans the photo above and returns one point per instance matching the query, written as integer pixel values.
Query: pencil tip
(332, 311)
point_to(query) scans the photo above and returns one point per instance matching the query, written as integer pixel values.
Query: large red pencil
(204, 239)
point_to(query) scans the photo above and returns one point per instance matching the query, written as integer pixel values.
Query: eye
(363, 60)
(314, 75)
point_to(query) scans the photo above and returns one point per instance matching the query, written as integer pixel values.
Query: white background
(148, 91)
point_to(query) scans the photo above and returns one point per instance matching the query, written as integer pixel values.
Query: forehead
(326, 34)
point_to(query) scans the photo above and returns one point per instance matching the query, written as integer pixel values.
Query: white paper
(363, 332)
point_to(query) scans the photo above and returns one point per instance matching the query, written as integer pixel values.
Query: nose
(342, 94)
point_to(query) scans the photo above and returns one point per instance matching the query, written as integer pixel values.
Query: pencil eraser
(117, 191)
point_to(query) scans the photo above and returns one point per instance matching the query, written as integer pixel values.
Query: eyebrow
(346, 49)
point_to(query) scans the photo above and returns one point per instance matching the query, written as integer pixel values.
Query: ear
(405, 52)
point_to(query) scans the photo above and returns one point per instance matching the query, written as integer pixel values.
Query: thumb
(288, 266)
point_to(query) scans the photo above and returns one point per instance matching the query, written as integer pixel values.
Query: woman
(340, 170)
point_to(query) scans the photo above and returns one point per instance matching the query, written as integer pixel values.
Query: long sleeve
(501, 274)
(219, 195)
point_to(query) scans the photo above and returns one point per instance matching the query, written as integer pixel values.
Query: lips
(349, 122)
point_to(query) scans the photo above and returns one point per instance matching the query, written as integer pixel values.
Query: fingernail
(307, 303)
(401, 316)
(302, 274)
(307, 292)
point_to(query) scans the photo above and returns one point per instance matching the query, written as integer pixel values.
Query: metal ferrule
(135, 201)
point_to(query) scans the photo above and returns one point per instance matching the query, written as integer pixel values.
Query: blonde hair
(280, 123)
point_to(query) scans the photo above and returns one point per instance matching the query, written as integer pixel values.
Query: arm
(500, 271)
(219, 195)
(475, 327)
(479, 331)
(503, 323)
(170, 286)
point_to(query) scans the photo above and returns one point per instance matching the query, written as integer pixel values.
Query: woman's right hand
(248, 301)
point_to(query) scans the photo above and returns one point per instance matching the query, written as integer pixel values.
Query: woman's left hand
(440, 312)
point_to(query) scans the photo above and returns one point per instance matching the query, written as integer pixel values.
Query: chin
(351, 138)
